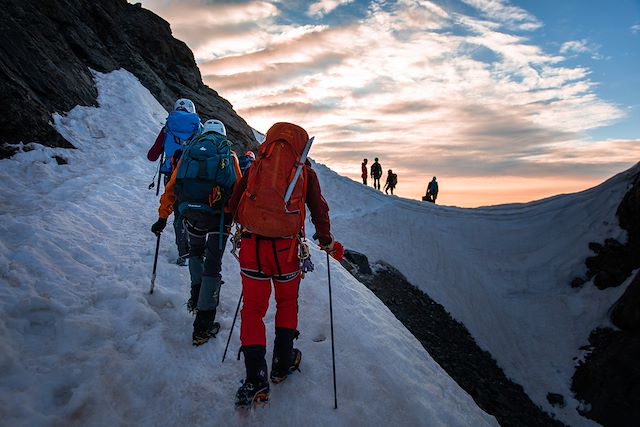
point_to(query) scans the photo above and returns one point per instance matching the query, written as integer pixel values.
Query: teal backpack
(206, 174)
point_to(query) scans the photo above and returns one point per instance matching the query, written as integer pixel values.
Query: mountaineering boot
(204, 327)
(286, 359)
(192, 304)
(277, 376)
(249, 393)
(255, 387)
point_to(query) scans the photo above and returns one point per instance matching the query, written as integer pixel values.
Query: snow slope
(83, 343)
(503, 271)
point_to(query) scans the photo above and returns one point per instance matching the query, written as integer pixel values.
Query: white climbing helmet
(214, 125)
(184, 104)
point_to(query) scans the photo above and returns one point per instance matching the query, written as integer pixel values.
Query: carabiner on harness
(235, 241)
(305, 258)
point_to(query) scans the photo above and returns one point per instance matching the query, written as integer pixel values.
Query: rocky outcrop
(613, 261)
(48, 47)
(450, 345)
(608, 378)
(625, 313)
(611, 265)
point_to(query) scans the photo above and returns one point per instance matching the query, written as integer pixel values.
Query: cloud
(512, 17)
(578, 46)
(302, 47)
(635, 29)
(427, 89)
(324, 7)
(582, 46)
(273, 73)
(220, 29)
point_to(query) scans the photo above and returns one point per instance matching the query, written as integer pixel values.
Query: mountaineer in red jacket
(272, 250)
(364, 171)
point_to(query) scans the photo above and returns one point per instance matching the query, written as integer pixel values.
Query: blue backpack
(180, 127)
(206, 174)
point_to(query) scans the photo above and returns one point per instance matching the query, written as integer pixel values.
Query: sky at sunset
(502, 101)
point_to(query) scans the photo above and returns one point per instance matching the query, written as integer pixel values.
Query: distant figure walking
(376, 173)
(392, 181)
(432, 191)
(364, 171)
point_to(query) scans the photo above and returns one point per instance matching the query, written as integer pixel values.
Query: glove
(159, 225)
(335, 249)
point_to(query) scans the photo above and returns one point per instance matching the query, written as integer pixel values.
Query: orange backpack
(262, 209)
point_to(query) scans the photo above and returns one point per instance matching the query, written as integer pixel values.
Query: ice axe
(303, 158)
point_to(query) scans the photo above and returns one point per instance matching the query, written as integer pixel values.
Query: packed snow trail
(83, 343)
(503, 271)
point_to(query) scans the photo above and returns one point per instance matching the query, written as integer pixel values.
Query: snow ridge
(503, 271)
(83, 343)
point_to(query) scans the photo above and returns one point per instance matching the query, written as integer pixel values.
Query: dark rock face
(47, 48)
(625, 313)
(556, 399)
(612, 264)
(359, 261)
(60, 160)
(629, 212)
(449, 344)
(609, 378)
(613, 261)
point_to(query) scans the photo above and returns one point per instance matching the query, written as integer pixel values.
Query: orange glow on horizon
(472, 192)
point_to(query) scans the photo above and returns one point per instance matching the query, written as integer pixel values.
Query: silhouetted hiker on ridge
(376, 173)
(364, 171)
(392, 181)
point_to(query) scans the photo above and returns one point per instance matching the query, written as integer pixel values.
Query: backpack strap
(302, 208)
(271, 148)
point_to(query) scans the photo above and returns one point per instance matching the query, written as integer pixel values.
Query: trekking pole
(153, 180)
(333, 354)
(232, 326)
(235, 240)
(155, 265)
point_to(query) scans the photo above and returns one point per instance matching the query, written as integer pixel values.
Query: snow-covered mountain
(83, 343)
(259, 136)
(503, 271)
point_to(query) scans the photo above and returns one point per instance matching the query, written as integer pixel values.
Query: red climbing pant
(263, 261)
